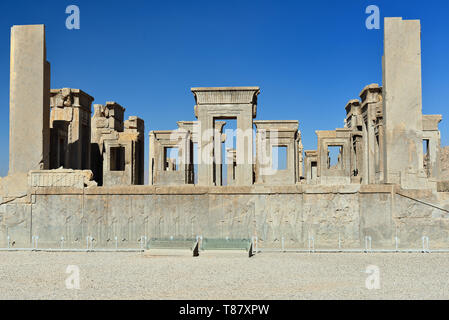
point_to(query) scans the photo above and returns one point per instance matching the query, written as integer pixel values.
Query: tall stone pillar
(29, 133)
(244, 149)
(300, 157)
(230, 163)
(402, 99)
(205, 150)
(218, 140)
(372, 114)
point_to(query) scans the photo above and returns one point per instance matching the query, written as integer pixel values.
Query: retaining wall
(330, 215)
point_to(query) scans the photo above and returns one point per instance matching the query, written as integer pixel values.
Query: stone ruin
(74, 175)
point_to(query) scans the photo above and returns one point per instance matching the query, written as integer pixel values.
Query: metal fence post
(425, 244)
(34, 242)
(199, 242)
(143, 241)
(339, 241)
(91, 239)
(311, 244)
(368, 246)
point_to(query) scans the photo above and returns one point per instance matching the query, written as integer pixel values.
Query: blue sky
(308, 57)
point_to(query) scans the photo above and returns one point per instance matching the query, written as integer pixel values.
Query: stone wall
(444, 163)
(271, 213)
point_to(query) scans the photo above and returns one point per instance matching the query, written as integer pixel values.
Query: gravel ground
(41, 275)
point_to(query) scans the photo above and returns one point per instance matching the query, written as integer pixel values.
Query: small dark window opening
(314, 168)
(117, 158)
(426, 156)
(61, 153)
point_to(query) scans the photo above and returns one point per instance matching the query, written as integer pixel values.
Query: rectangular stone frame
(272, 133)
(75, 107)
(338, 137)
(159, 140)
(225, 103)
(112, 178)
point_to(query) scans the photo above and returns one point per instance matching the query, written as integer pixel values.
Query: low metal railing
(203, 243)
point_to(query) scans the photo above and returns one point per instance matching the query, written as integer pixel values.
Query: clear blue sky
(308, 57)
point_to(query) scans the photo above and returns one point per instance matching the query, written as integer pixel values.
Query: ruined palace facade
(76, 169)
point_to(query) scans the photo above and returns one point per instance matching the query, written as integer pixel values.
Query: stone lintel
(337, 133)
(354, 103)
(311, 153)
(225, 95)
(371, 88)
(187, 124)
(170, 135)
(430, 121)
(277, 125)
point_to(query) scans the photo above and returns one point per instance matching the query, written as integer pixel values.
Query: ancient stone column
(29, 134)
(230, 163)
(244, 148)
(402, 99)
(218, 140)
(300, 157)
